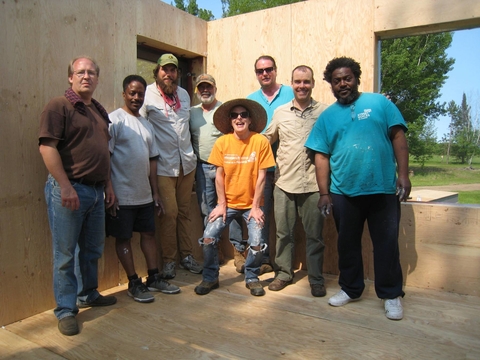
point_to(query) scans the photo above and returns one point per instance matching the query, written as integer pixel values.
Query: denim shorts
(131, 219)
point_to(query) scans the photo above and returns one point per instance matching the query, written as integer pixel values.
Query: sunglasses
(243, 115)
(267, 70)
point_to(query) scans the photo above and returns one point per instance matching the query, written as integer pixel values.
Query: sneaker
(277, 284)
(318, 290)
(341, 298)
(265, 268)
(393, 308)
(256, 289)
(169, 270)
(206, 286)
(156, 283)
(139, 292)
(99, 301)
(68, 326)
(190, 264)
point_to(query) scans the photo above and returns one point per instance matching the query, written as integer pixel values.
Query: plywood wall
(309, 33)
(38, 39)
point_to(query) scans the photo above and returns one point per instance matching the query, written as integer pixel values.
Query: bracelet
(324, 194)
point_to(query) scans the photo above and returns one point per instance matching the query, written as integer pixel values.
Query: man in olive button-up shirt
(296, 190)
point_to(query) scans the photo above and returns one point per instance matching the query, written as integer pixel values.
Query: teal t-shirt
(357, 139)
(284, 95)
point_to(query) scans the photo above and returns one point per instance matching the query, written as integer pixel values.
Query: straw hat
(258, 115)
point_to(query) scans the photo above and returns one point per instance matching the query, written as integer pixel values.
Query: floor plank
(229, 323)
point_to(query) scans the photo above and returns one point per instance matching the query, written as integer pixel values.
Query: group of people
(278, 145)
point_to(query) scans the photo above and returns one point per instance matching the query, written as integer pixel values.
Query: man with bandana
(167, 108)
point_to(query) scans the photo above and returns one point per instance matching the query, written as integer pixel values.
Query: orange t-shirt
(241, 160)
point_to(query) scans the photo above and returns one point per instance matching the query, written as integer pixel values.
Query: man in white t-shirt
(134, 180)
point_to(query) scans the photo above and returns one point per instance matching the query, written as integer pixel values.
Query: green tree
(236, 7)
(192, 8)
(413, 71)
(463, 135)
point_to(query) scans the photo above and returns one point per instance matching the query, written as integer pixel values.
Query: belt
(88, 182)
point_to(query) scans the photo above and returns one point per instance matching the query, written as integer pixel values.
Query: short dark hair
(265, 57)
(342, 62)
(131, 78)
(304, 68)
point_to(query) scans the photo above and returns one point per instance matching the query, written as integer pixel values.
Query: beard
(204, 100)
(167, 88)
(354, 94)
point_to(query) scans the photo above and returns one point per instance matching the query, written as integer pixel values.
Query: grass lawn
(469, 197)
(437, 172)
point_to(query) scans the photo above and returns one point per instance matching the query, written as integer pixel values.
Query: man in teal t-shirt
(360, 144)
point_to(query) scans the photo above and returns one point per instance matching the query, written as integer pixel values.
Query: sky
(463, 78)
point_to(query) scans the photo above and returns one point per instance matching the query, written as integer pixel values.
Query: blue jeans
(205, 189)
(83, 228)
(210, 251)
(235, 228)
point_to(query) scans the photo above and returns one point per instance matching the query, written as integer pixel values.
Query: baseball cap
(166, 59)
(205, 78)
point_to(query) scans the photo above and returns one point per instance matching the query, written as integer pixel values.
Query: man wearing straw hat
(242, 157)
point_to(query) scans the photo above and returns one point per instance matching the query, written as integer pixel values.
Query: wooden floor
(229, 323)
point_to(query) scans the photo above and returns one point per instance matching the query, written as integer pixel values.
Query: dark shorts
(131, 219)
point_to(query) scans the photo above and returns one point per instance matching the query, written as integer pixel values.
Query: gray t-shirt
(204, 133)
(132, 146)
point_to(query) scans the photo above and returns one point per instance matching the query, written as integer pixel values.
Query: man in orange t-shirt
(242, 157)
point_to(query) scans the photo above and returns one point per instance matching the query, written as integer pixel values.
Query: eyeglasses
(267, 70)
(243, 115)
(82, 73)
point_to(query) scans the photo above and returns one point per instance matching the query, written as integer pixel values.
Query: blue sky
(463, 78)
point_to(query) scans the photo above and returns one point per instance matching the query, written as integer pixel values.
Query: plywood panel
(229, 323)
(181, 32)
(405, 17)
(329, 34)
(235, 43)
(440, 247)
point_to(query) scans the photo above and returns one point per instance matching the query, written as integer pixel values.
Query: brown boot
(238, 261)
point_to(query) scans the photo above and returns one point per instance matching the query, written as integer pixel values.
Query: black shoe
(99, 301)
(256, 289)
(68, 326)
(206, 286)
(318, 290)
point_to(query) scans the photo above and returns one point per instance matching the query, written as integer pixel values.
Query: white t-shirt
(132, 145)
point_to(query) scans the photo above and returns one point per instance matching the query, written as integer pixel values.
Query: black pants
(382, 213)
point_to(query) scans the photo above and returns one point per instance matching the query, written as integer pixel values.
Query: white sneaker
(341, 298)
(393, 308)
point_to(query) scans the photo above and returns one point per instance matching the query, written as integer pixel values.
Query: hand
(404, 187)
(110, 198)
(70, 198)
(159, 205)
(257, 214)
(112, 210)
(325, 205)
(219, 211)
